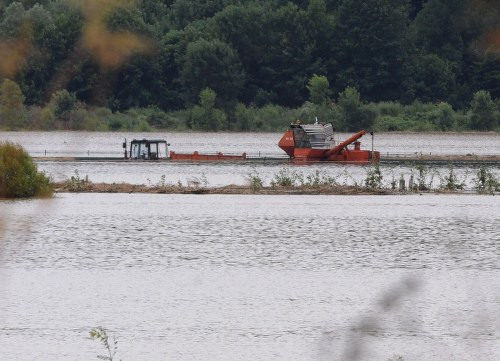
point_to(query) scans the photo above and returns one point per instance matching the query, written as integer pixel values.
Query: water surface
(263, 144)
(251, 277)
(110, 143)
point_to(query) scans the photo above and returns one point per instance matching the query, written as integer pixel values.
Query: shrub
(255, 180)
(286, 178)
(64, 103)
(273, 117)
(422, 172)
(318, 179)
(483, 111)
(485, 181)
(319, 89)
(19, 176)
(444, 116)
(244, 117)
(392, 123)
(451, 182)
(374, 177)
(355, 115)
(388, 108)
(324, 113)
(205, 116)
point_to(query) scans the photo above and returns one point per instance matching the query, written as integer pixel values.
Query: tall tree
(212, 64)
(292, 59)
(206, 116)
(431, 79)
(11, 104)
(487, 74)
(437, 28)
(185, 11)
(248, 30)
(354, 114)
(371, 47)
(319, 89)
(484, 113)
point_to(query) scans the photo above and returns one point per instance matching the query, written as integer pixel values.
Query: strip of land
(90, 187)
(385, 159)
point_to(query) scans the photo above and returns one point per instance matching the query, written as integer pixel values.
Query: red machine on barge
(316, 142)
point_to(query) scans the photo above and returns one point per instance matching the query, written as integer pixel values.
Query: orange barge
(195, 156)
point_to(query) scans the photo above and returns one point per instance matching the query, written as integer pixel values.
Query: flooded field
(110, 144)
(180, 277)
(217, 174)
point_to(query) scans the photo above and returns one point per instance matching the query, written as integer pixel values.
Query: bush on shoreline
(347, 113)
(19, 176)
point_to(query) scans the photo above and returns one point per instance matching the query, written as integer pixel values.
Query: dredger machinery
(316, 142)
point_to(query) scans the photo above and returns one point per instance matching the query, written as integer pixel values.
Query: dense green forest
(249, 64)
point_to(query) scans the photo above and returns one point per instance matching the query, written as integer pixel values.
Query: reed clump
(19, 176)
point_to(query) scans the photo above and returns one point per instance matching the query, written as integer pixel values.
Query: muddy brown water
(227, 277)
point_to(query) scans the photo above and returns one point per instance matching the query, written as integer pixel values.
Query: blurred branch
(370, 324)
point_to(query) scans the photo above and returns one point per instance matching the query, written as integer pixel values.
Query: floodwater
(110, 144)
(220, 174)
(295, 278)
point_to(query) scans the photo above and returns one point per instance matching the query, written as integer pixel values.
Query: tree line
(249, 65)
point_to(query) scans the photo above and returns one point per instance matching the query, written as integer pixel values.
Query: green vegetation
(19, 176)
(486, 182)
(383, 65)
(374, 177)
(205, 116)
(110, 345)
(450, 181)
(11, 105)
(255, 181)
(291, 180)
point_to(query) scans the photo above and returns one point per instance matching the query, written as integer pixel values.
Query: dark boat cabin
(147, 149)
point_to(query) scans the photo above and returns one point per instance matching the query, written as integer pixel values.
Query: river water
(207, 277)
(110, 144)
(264, 144)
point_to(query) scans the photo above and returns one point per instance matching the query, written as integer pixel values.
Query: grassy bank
(89, 187)
(287, 180)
